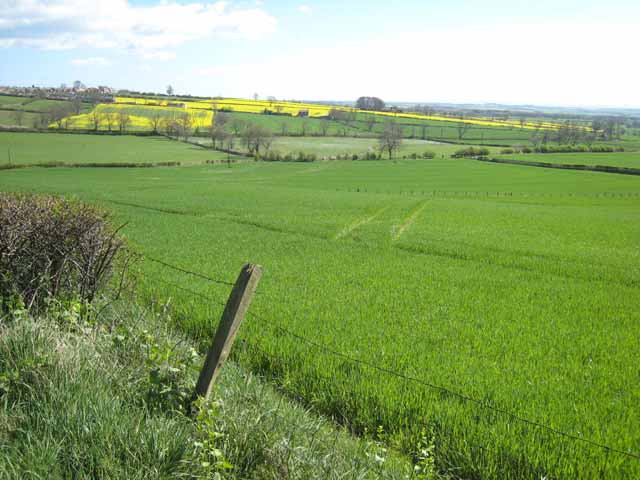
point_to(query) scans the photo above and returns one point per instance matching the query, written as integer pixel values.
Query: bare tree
(58, 115)
(155, 120)
(337, 115)
(237, 125)
(18, 116)
(170, 126)
(95, 119)
(185, 122)
(463, 128)
(123, 121)
(221, 119)
(257, 138)
(111, 120)
(76, 104)
(352, 116)
(324, 127)
(390, 138)
(370, 122)
(229, 141)
(218, 134)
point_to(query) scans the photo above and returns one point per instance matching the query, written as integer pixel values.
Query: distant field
(32, 108)
(517, 286)
(330, 146)
(7, 118)
(412, 128)
(620, 159)
(286, 125)
(8, 101)
(30, 148)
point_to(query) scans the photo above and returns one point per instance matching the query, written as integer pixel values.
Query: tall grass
(105, 399)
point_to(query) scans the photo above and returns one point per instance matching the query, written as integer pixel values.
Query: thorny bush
(51, 247)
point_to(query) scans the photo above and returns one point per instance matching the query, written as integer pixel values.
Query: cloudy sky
(548, 52)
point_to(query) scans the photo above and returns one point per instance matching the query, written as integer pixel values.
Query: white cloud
(306, 9)
(426, 66)
(91, 62)
(149, 31)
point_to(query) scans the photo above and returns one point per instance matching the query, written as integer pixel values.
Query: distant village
(77, 90)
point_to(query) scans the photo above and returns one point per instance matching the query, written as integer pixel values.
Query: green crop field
(32, 148)
(332, 146)
(287, 125)
(619, 159)
(412, 128)
(515, 286)
(7, 118)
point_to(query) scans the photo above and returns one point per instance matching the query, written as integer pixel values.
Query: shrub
(428, 154)
(53, 248)
(577, 149)
(471, 152)
(506, 151)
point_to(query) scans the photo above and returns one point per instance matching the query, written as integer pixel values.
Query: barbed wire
(192, 292)
(448, 391)
(188, 272)
(462, 396)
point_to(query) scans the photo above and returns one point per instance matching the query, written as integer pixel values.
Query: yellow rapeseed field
(140, 116)
(141, 110)
(315, 110)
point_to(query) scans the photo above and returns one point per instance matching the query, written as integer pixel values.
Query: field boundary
(563, 166)
(15, 166)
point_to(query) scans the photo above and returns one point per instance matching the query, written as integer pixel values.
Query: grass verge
(106, 399)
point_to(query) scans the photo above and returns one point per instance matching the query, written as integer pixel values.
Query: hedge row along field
(460, 292)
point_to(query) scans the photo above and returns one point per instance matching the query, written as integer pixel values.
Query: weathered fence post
(232, 317)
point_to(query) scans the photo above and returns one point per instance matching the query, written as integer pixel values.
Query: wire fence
(328, 350)
(486, 194)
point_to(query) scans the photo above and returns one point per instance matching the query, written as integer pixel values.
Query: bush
(577, 149)
(53, 248)
(471, 152)
(428, 155)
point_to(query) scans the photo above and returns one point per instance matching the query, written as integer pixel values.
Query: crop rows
(525, 302)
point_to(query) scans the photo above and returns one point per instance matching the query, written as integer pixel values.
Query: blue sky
(562, 52)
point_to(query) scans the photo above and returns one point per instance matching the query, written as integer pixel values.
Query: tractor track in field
(359, 223)
(396, 233)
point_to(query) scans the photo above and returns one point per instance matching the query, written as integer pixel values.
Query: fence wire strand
(328, 350)
(448, 391)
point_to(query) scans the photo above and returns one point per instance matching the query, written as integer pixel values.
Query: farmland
(38, 148)
(619, 159)
(333, 146)
(513, 285)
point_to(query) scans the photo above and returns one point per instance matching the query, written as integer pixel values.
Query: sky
(547, 52)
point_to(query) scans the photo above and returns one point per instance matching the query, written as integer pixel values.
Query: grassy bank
(105, 399)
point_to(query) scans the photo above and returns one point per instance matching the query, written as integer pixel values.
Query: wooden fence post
(232, 317)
